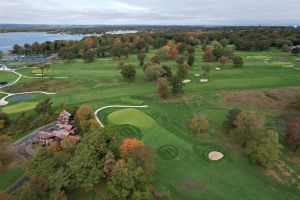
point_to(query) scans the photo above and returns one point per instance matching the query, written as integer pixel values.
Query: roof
(65, 113)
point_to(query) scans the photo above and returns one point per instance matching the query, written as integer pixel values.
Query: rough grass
(9, 177)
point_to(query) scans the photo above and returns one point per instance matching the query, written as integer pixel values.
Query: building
(62, 129)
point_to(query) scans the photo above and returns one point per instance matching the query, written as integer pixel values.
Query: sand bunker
(186, 81)
(215, 155)
(203, 80)
(218, 68)
(197, 74)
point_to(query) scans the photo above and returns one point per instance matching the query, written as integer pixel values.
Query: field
(183, 169)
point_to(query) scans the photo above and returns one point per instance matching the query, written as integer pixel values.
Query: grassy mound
(129, 131)
(167, 152)
(133, 117)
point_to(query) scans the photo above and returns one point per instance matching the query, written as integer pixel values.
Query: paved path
(3, 101)
(21, 148)
(113, 106)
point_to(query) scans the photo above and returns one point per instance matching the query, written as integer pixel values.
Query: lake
(8, 40)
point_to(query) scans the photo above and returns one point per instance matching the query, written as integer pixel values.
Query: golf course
(183, 169)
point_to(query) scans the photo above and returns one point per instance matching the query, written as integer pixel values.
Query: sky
(151, 12)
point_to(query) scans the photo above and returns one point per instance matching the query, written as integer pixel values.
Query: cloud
(178, 12)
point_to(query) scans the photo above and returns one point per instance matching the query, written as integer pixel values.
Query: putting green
(133, 117)
(21, 107)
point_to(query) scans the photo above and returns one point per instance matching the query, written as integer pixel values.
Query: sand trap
(203, 80)
(38, 74)
(215, 155)
(197, 74)
(186, 81)
(218, 68)
(288, 66)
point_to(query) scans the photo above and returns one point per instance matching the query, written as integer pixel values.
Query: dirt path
(113, 106)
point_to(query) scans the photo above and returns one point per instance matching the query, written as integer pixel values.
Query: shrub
(153, 72)
(182, 70)
(156, 59)
(163, 89)
(238, 61)
(176, 83)
(128, 72)
(199, 123)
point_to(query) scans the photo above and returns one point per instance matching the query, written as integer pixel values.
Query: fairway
(21, 107)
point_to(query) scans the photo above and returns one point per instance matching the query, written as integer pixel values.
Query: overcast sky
(171, 12)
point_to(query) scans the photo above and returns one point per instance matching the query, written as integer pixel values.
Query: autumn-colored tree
(109, 163)
(129, 181)
(69, 143)
(121, 63)
(4, 120)
(285, 48)
(163, 89)
(153, 72)
(266, 150)
(248, 126)
(54, 146)
(144, 157)
(84, 117)
(180, 60)
(208, 56)
(36, 189)
(4, 196)
(156, 59)
(223, 60)
(129, 145)
(199, 123)
(292, 133)
(206, 68)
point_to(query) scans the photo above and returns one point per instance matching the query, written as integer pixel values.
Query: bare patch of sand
(215, 155)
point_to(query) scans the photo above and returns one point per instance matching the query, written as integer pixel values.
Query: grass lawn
(183, 170)
(9, 177)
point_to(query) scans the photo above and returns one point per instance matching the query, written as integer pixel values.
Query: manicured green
(20, 107)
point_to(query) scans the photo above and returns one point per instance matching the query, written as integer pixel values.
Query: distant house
(63, 128)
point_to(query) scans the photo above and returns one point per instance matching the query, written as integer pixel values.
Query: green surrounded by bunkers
(183, 168)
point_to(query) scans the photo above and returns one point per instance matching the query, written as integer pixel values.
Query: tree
(223, 60)
(1, 54)
(224, 43)
(88, 56)
(296, 50)
(191, 60)
(109, 163)
(43, 68)
(292, 133)
(60, 195)
(4, 120)
(167, 71)
(182, 70)
(176, 84)
(153, 72)
(285, 48)
(144, 157)
(128, 72)
(266, 150)
(163, 89)
(87, 164)
(156, 59)
(44, 107)
(180, 60)
(229, 123)
(293, 104)
(199, 123)
(238, 61)
(129, 145)
(4, 156)
(36, 189)
(141, 57)
(128, 181)
(248, 126)
(68, 144)
(208, 56)
(206, 68)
